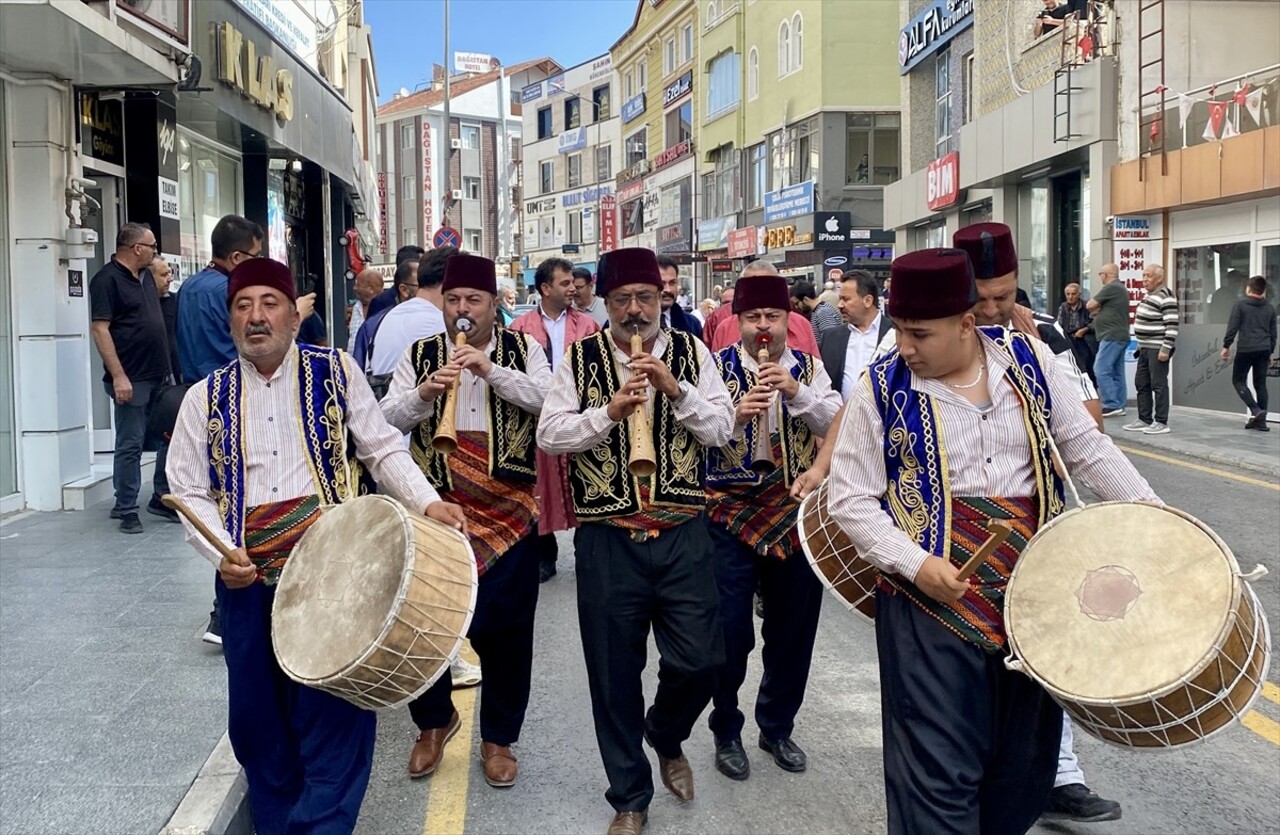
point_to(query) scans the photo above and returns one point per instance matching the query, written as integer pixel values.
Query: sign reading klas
(255, 76)
(936, 24)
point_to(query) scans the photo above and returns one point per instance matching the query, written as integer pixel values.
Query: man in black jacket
(1254, 321)
(847, 351)
(673, 315)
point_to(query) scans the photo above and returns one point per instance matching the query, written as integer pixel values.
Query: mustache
(257, 330)
(636, 322)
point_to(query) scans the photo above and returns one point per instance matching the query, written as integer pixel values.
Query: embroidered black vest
(598, 478)
(730, 464)
(512, 445)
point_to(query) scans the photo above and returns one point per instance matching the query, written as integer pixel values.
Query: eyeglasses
(623, 302)
(154, 247)
(249, 254)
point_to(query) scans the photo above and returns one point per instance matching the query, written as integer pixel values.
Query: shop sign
(546, 232)
(572, 140)
(803, 238)
(652, 202)
(101, 129)
(555, 85)
(537, 207)
(382, 211)
(288, 24)
(533, 91)
(632, 108)
(714, 233)
(427, 186)
(676, 152)
(835, 261)
(1132, 228)
(75, 284)
(590, 224)
(936, 24)
(476, 62)
(601, 67)
(631, 191)
(944, 181)
(780, 236)
(530, 235)
(587, 195)
(169, 198)
(254, 76)
(678, 89)
(1130, 257)
(673, 237)
(720, 266)
(831, 230)
(859, 234)
(741, 242)
(569, 249)
(789, 202)
(608, 224)
(634, 172)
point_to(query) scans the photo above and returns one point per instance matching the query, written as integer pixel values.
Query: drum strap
(272, 530)
(499, 512)
(978, 617)
(762, 515)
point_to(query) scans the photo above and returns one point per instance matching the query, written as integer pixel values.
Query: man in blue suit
(673, 315)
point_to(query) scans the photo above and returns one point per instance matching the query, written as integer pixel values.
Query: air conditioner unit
(455, 144)
(456, 194)
(643, 167)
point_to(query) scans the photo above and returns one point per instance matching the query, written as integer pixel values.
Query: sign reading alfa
(936, 24)
(256, 77)
(944, 181)
(678, 89)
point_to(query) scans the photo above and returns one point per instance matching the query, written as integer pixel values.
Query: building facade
(570, 156)
(462, 179)
(173, 118)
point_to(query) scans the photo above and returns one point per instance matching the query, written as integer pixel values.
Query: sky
(408, 35)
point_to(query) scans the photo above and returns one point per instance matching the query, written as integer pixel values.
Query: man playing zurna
(642, 551)
(260, 445)
(752, 521)
(948, 431)
(501, 378)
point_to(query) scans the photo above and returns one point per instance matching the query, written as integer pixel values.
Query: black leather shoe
(731, 759)
(546, 570)
(785, 753)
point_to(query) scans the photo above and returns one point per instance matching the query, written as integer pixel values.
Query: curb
(1200, 454)
(217, 802)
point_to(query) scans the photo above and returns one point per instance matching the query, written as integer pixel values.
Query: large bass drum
(1137, 620)
(373, 603)
(833, 558)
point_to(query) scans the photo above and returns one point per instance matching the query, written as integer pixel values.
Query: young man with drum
(781, 408)
(636, 407)
(259, 446)
(469, 399)
(949, 431)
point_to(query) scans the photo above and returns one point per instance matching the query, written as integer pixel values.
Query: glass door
(105, 220)
(8, 427)
(1268, 266)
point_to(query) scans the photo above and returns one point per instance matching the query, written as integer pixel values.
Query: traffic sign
(446, 236)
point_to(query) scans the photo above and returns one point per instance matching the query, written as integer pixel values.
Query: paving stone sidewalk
(109, 702)
(1213, 438)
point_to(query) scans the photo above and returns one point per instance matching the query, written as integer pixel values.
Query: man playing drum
(259, 446)
(501, 378)
(947, 432)
(642, 550)
(752, 522)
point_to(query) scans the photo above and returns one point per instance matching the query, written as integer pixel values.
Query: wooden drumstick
(1000, 531)
(174, 503)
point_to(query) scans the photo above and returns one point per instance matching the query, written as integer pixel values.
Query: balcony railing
(1226, 95)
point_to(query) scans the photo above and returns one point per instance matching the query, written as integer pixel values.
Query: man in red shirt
(724, 330)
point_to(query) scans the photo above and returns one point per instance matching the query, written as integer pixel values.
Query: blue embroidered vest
(729, 464)
(320, 420)
(919, 494)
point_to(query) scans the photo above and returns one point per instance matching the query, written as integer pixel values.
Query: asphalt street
(1229, 784)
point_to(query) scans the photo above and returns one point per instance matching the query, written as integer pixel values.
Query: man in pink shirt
(725, 332)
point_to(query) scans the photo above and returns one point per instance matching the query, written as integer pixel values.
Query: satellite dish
(404, 91)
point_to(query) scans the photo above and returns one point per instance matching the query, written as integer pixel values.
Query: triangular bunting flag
(1241, 94)
(1217, 115)
(1229, 129)
(1184, 109)
(1253, 103)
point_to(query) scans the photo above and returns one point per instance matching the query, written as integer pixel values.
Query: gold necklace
(982, 369)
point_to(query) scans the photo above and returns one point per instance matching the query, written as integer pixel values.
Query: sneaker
(1136, 426)
(1114, 413)
(213, 632)
(158, 508)
(464, 674)
(1078, 803)
(546, 570)
(1156, 428)
(129, 523)
(115, 513)
(1260, 425)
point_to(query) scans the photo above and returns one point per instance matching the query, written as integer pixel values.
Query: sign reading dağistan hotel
(936, 24)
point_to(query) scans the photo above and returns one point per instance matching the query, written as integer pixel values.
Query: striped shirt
(706, 411)
(276, 463)
(404, 409)
(825, 318)
(816, 404)
(987, 454)
(1155, 322)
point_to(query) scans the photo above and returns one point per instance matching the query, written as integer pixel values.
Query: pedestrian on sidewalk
(1110, 309)
(1253, 320)
(1077, 323)
(307, 754)
(129, 331)
(1155, 324)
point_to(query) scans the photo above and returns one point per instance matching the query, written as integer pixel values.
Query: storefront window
(8, 433)
(1209, 279)
(210, 186)
(1033, 241)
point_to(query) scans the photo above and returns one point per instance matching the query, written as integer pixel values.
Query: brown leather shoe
(677, 776)
(429, 749)
(499, 765)
(628, 823)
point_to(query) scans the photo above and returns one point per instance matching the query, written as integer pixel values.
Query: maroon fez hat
(631, 265)
(931, 284)
(471, 272)
(753, 292)
(262, 272)
(990, 248)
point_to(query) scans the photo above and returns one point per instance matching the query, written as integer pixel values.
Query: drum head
(339, 587)
(1115, 601)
